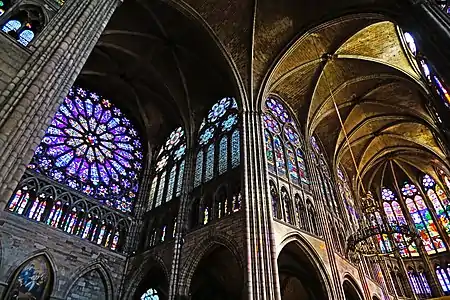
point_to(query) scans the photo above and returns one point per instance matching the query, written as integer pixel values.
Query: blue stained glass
(170, 187)
(292, 164)
(207, 135)
(25, 37)
(269, 151)
(223, 155)
(11, 25)
(228, 124)
(271, 124)
(180, 179)
(198, 169)
(161, 186)
(279, 155)
(235, 149)
(89, 146)
(292, 135)
(209, 173)
(278, 109)
(219, 109)
(151, 294)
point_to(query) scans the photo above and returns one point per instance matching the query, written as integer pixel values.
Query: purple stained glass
(271, 124)
(90, 146)
(292, 135)
(278, 110)
(387, 194)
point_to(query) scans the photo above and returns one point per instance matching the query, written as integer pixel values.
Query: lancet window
(324, 176)
(347, 197)
(394, 215)
(439, 200)
(168, 172)
(443, 275)
(87, 166)
(422, 218)
(218, 142)
(431, 77)
(284, 149)
(419, 283)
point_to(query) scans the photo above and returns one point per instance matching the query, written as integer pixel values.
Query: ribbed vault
(164, 73)
(358, 64)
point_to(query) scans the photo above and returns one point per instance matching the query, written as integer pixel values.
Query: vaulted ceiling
(159, 66)
(359, 67)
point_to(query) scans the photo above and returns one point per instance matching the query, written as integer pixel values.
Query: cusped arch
(102, 269)
(207, 245)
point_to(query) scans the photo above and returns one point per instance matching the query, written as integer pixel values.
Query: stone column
(262, 268)
(176, 291)
(34, 95)
(337, 291)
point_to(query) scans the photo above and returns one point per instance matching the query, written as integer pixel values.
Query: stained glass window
(20, 200)
(198, 169)
(439, 200)
(92, 147)
(170, 187)
(394, 214)
(444, 278)
(209, 172)
(180, 179)
(235, 149)
(279, 155)
(347, 197)
(150, 294)
(219, 130)
(206, 216)
(160, 194)
(283, 144)
(223, 155)
(170, 160)
(269, 151)
(422, 219)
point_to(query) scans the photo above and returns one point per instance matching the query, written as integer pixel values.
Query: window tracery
(394, 214)
(93, 148)
(283, 145)
(439, 199)
(23, 24)
(422, 219)
(218, 142)
(419, 283)
(168, 172)
(90, 157)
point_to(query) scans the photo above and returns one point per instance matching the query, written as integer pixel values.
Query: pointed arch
(83, 277)
(35, 276)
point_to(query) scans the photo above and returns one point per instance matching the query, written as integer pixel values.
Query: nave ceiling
(361, 66)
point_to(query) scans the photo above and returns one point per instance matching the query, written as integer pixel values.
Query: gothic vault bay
(224, 149)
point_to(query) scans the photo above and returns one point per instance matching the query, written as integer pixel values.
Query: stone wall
(11, 63)
(73, 259)
(89, 286)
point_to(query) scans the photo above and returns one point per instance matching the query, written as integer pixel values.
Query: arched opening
(351, 291)
(32, 280)
(300, 277)
(218, 276)
(154, 286)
